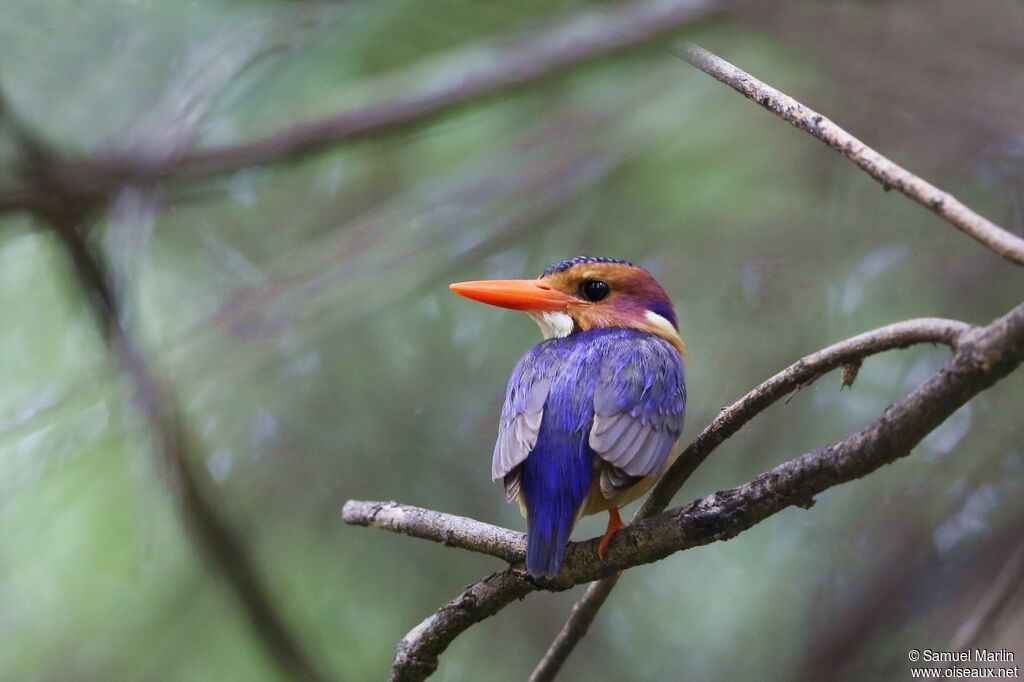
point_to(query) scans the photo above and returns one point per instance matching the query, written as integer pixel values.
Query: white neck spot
(553, 325)
(662, 327)
(660, 322)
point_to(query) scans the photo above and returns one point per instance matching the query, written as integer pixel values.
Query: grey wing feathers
(512, 483)
(516, 438)
(638, 413)
(522, 414)
(636, 446)
(614, 480)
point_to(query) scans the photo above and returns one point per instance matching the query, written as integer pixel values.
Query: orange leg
(615, 524)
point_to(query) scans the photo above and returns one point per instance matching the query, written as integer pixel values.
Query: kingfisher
(592, 413)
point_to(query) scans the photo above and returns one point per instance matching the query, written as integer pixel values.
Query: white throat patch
(553, 325)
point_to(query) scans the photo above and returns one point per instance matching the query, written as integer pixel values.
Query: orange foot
(615, 524)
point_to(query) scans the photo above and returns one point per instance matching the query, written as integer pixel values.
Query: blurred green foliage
(303, 316)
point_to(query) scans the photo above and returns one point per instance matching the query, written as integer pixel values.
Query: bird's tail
(555, 486)
(546, 539)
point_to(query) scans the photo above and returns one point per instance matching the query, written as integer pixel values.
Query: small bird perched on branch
(593, 412)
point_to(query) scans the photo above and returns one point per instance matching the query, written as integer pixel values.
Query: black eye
(595, 289)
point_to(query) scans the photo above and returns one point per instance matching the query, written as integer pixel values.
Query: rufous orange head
(584, 293)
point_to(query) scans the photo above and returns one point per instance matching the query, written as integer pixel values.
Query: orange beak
(516, 294)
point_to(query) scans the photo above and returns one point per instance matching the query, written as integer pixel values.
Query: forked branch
(982, 356)
(510, 546)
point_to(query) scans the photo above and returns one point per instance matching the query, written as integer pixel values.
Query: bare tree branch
(21, 200)
(174, 123)
(798, 375)
(450, 530)
(583, 613)
(65, 206)
(983, 356)
(510, 546)
(1008, 581)
(889, 174)
(802, 373)
(178, 452)
(416, 655)
(509, 64)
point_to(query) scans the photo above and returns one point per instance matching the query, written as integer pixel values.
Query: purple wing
(639, 403)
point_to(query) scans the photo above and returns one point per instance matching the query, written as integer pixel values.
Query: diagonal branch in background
(583, 613)
(888, 173)
(507, 64)
(173, 126)
(1008, 581)
(177, 451)
(982, 357)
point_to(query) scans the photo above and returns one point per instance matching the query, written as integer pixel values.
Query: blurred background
(301, 313)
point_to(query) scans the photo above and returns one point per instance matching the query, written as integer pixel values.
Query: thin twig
(584, 611)
(889, 174)
(454, 531)
(178, 453)
(1007, 582)
(983, 357)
